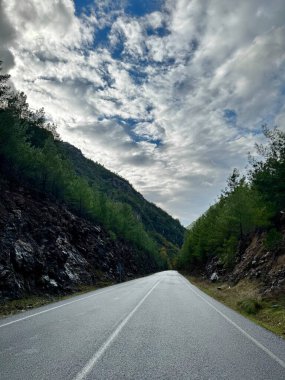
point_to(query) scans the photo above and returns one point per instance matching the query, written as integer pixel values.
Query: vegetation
(32, 154)
(248, 203)
(245, 298)
(161, 226)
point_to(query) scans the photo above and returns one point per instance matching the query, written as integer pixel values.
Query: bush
(273, 239)
(250, 306)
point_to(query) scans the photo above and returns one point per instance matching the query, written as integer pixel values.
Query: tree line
(29, 154)
(249, 202)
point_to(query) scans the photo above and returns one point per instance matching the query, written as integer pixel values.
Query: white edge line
(256, 342)
(68, 303)
(91, 363)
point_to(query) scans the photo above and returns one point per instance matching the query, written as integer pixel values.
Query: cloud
(170, 95)
(7, 36)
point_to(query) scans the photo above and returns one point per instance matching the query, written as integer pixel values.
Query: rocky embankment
(46, 249)
(255, 261)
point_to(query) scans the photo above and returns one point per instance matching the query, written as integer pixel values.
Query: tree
(268, 171)
(239, 211)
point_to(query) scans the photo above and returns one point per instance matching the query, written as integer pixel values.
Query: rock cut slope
(44, 248)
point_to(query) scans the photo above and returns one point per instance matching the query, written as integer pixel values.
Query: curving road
(156, 327)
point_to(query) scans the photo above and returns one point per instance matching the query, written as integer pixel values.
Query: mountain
(64, 218)
(161, 225)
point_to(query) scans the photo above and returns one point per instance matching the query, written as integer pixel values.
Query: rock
(49, 283)
(24, 256)
(70, 274)
(46, 249)
(214, 277)
(18, 213)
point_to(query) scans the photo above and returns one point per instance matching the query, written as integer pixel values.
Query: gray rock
(214, 277)
(24, 256)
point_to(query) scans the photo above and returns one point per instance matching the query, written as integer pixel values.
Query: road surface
(156, 327)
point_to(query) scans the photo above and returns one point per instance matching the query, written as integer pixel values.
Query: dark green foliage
(268, 172)
(216, 233)
(156, 221)
(250, 306)
(31, 154)
(273, 239)
(244, 206)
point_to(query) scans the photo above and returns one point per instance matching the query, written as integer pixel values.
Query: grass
(246, 299)
(11, 307)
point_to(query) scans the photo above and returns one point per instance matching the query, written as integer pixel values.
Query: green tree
(268, 171)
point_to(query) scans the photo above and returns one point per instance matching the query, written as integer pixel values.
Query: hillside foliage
(161, 226)
(248, 203)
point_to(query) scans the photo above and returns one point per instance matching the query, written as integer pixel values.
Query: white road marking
(91, 363)
(256, 342)
(68, 303)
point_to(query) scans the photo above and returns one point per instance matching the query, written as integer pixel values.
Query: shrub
(250, 306)
(273, 239)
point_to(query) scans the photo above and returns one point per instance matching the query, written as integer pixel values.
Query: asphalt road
(157, 327)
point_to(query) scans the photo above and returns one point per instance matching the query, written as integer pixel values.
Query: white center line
(91, 363)
(256, 342)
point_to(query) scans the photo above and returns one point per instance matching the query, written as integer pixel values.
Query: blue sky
(169, 94)
(132, 7)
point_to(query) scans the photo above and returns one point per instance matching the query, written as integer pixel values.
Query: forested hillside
(161, 225)
(251, 204)
(32, 155)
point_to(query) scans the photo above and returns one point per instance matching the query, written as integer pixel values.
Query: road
(156, 327)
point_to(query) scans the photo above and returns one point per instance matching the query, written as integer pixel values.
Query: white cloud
(47, 23)
(155, 113)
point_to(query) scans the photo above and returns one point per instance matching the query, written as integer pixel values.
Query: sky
(169, 94)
